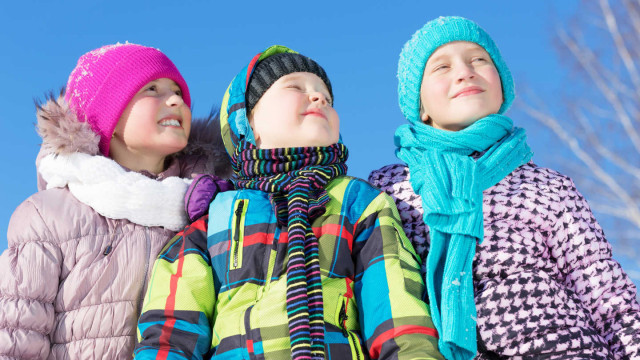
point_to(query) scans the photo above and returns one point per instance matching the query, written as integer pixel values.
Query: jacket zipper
(236, 235)
(356, 345)
(342, 318)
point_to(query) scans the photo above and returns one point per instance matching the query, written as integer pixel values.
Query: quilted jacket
(546, 286)
(72, 280)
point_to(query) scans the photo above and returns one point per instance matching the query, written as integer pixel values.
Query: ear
(256, 134)
(423, 114)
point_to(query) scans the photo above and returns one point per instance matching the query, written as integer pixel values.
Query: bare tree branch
(611, 210)
(623, 52)
(632, 206)
(634, 17)
(595, 142)
(586, 58)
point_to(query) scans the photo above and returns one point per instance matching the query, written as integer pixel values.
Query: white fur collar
(115, 193)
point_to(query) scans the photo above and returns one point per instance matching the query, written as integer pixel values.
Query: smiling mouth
(468, 91)
(315, 113)
(170, 122)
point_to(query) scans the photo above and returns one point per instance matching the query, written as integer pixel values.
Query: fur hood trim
(63, 134)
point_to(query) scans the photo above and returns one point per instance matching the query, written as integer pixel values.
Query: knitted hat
(425, 41)
(276, 66)
(106, 79)
(234, 123)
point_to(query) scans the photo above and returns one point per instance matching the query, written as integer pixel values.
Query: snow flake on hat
(101, 51)
(83, 70)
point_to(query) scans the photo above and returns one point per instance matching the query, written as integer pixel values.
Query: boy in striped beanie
(300, 261)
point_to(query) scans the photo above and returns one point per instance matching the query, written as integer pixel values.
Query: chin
(326, 140)
(174, 148)
(322, 143)
(464, 121)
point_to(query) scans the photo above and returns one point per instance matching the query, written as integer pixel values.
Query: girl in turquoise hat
(516, 265)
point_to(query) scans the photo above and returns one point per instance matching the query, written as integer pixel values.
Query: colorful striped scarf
(295, 179)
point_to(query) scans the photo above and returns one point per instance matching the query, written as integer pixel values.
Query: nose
(174, 100)
(465, 72)
(317, 96)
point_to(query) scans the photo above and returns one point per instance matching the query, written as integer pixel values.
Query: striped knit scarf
(295, 179)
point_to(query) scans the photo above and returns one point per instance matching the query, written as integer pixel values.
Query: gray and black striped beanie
(269, 70)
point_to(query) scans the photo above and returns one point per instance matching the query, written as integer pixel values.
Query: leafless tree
(599, 120)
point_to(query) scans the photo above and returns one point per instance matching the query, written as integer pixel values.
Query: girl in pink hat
(118, 152)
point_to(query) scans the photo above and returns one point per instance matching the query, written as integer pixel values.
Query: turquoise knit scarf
(450, 183)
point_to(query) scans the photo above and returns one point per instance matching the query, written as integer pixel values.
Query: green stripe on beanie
(425, 41)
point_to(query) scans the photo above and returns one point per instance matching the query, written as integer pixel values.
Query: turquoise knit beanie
(425, 41)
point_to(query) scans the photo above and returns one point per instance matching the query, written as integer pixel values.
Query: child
(542, 278)
(301, 261)
(115, 168)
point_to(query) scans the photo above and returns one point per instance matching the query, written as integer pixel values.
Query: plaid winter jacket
(218, 288)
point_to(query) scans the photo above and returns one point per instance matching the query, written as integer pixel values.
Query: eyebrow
(299, 74)
(294, 75)
(476, 48)
(437, 58)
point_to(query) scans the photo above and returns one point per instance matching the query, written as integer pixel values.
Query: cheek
(186, 121)
(142, 111)
(127, 113)
(335, 121)
(433, 93)
(273, 106)
(495, 86)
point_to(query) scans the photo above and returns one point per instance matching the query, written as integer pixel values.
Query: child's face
(296, 111)
(460, 85)
(155, 123)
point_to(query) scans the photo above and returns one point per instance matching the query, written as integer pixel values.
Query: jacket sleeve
(393, 180)
(177, 313)
(394, 320)
(30, 269)
(584, 256)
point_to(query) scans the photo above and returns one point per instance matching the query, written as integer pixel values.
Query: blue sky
(357, 42)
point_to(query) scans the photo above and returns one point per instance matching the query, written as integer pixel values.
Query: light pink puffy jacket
(73, 280)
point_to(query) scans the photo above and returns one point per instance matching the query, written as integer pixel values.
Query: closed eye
(329, 99)
(440, 67)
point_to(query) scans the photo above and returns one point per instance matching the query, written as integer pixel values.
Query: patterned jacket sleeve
(28, 286)
(178, 308)
(584, 256)
(393, 180)
(394, 320)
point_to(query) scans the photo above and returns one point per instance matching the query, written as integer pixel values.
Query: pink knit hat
(106, 79)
